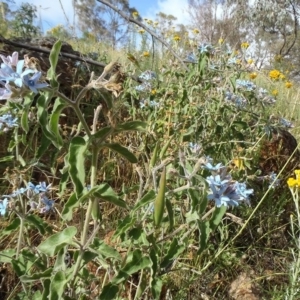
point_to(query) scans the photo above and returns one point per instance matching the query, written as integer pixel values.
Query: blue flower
(144, 87)
(210, 167)
(19, 192)
(224, 195)
(11, 60)
(242, 190)
(8, 74)
(286, 123)
(5, 92)
(232, 61)
(206, 48)
(3, 206)
(49, 204)
(148, 75)
(41, 187)
(273, 181)
(33, 83)
(245, 84)
(7, 121)
(191, 58)
(195, 148)
(216, 181)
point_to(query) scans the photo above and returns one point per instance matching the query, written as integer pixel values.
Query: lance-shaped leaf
(53, 58)
(36, 276)
(131, 126)
(146, 199)
(217, 217)
(122, 151)
(57, 286)
(77, 150)
(159, 203)
(173, 252)
(57, 241)
(72, 203)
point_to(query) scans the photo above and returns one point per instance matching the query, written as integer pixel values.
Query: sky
(51, 13)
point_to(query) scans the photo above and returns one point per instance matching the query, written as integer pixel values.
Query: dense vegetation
(169, 173)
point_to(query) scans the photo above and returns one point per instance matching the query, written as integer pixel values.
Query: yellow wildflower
(176, 38)
(141, 31)
(274, 74)
(253, 75)
(245, 45)
(150, 22)
(282, 76)
(153, 92)
(146, 54)
(250, 61)
(196, 31)
(275, 92)
(292, 182)
(288, 84)
(155, 23)
(135, 14)
(221, 41)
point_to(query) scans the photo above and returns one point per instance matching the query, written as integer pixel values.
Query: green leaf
(132, 125)
(76, 161)
(156, 287)
(57, 241)
(173, 252)
(57, 286)
(41, 226)
(159, 203)
(217, 217)
(109, 292)
(7, 255)
(88, 256)
(204, 235)
(146, 199)
(103, 133)
(135, 262)
(7, 158)
(11, 227)
(124, 225)
(67, 212)
(122, 151)
(44, 146)
(170, 213)
(53, 58)
(105, 250)
(36, 276)
(59, 105)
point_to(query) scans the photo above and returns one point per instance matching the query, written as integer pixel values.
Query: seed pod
(159, 203)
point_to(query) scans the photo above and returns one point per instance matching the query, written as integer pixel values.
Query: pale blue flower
(3, 206)
(224, 195)
(8, 74)
(148, 75)
(7, 121)
(11, 60)
(39, 188)
(242, 190)
(216, 181)
(246, 85)
(5, 92)
(205, 48)
(33, 83)
(195, 148)
(49, 204)
(191, 58)
(286, 123)
(210, 167)
(273, 181)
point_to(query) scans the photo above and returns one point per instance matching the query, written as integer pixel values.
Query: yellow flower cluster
(176, 38)
(274, 74)
(275, 92)
(135, 14)
(146, 54)
(141, 31)
(288, 84)
(294, 182)
(245, 45)
(253, 75)
(196, 31)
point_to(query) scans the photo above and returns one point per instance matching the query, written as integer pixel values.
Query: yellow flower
(141, 31)
(275, 92)
(282, 76)
(253, 75)
(155, 23)
(150, 22)
(238, 61)
(221, 41)
(146, 54)
(297, 173)
(274, 74)
(288, 84)
(292, 182)
(245, 45)
(176, 38)
(196, 31)
(153, 92)
(250, 61)
(278, 57)
(135, 14)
